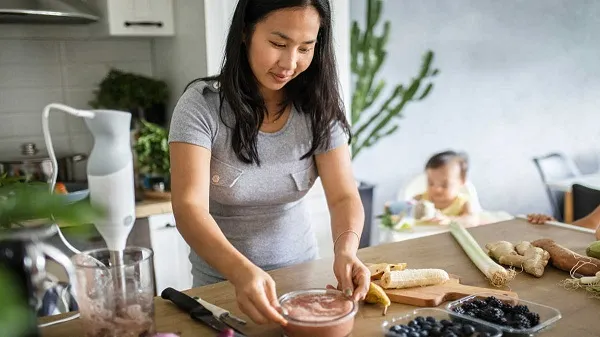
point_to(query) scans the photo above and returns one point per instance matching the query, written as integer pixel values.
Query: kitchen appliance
(23, 253)
(36, 165)
(109, 170)
(46, 12)
(197, 311)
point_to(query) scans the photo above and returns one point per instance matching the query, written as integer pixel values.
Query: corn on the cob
(413, 278)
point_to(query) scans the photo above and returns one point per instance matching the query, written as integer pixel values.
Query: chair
(585, 200)
(556, 166)
(418, 185)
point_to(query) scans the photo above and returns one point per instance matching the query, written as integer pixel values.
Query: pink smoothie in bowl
(318, 313)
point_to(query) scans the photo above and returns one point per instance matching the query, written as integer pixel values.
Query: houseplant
(152, 152)
(375, 111)
(143, 96)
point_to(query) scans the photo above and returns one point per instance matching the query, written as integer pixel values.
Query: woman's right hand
(257, 298)
(539, 219)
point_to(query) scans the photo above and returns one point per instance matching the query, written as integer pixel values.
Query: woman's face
(282, 46)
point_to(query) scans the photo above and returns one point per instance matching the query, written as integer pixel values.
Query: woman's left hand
(352, 275)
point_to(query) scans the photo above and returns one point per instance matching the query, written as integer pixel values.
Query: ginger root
(532, 259)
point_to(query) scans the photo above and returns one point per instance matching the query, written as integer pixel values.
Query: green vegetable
(593, 250)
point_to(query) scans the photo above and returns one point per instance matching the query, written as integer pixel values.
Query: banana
(377, 270)
(376, 294)
(398, 266)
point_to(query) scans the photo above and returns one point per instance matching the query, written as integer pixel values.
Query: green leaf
(15, 316)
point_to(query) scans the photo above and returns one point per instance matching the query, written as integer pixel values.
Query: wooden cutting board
(433, 296)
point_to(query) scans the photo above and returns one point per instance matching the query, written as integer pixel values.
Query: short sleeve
(193, 120)
(338, 138)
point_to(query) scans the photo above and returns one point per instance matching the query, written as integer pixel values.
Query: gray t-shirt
(259, 209)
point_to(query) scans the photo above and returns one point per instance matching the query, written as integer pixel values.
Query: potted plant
(152, 153)
(143, 96)
(374, 110)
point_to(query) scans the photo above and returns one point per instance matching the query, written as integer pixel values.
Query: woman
(247, 145)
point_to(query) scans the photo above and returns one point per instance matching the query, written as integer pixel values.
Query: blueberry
(394, 334)
(430, 319)
(395, 328)
(446, 322)
(468, 330)
(413, 323)
(435, 331)
(420, 319)
(426, 326)
(424, 333)
(413, 334)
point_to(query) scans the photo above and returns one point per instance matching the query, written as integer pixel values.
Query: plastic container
(481, 328)
(548, 315)
(318, 313)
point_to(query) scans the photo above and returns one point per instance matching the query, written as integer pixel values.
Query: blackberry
(519, 321)
(491, 314)
(519, 309)
(469, 306)
(505, 307)
(533, 318)
(494, 302)
(459, 310)
(479, 303)
(474, 312)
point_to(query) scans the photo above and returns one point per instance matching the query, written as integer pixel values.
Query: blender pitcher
(23, 254)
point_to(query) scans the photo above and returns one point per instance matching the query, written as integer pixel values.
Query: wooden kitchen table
(580, 313)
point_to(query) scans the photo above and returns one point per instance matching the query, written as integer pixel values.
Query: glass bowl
(476, 329)
(547, 315)
(318, 313)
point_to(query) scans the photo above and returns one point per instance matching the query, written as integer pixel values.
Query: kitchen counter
(149, 207)
(579, 311)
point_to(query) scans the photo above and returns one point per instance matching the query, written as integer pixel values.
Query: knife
(196, 310)
(221, 313)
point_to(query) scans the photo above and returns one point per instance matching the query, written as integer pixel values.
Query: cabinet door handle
(170, 225)
(143, 23)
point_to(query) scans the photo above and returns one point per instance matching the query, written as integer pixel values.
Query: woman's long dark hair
(315, 91)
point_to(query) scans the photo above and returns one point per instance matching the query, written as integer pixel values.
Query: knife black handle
(180, 299)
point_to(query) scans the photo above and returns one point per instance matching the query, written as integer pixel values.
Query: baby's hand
(539, 219)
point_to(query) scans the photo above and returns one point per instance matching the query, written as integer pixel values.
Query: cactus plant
(367, 55)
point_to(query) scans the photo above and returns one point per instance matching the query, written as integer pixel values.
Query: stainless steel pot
(37, 166)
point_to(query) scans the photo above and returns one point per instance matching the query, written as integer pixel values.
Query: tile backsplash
(36, 72)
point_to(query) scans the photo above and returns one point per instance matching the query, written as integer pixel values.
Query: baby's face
(444, 183)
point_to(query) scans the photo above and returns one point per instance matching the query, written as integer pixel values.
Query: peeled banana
(376, 294)
(378, 269)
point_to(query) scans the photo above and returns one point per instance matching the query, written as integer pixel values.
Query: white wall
(180, 59)
(518, 79)
(38, 70)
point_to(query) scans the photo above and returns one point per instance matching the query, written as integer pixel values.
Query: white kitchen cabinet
(172, 267)
(138, 17)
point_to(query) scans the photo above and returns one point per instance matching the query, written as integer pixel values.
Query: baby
(446, 175)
